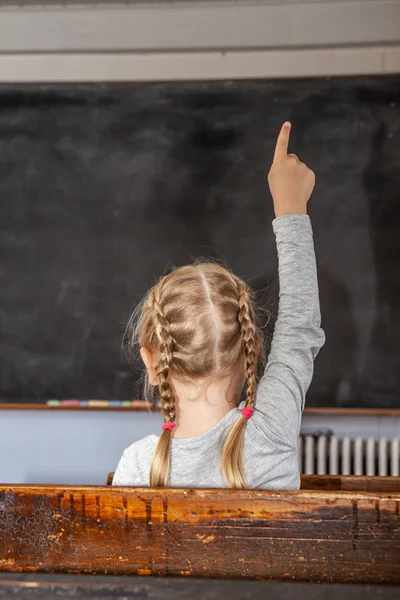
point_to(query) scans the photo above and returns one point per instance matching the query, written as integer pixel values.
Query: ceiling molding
(203, 66)
(40, 4)
(199, 26)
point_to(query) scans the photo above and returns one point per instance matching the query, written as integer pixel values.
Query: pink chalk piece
(247, 412)
(169, 425)
(70, 403)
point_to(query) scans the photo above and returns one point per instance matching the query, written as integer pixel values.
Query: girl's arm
(298, 335)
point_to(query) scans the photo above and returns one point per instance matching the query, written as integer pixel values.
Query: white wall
(199, 26)
(68, 446)
(224, 39)
(82, 447)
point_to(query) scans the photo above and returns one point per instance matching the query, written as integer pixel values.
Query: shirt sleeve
(298, 335)
(123, 474)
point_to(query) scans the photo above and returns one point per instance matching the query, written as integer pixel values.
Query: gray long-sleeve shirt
(270, 443)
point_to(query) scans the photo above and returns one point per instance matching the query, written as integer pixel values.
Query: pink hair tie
(169, 425)
(247, 412)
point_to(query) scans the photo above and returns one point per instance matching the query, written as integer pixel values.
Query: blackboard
(103, 187)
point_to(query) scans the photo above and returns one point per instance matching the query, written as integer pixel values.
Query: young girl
(200, 343)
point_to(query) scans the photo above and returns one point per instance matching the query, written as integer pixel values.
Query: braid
(160, 466)
(232, 451)
(247, 326)
(166, 347)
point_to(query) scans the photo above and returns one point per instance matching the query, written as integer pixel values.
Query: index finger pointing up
(282, 144)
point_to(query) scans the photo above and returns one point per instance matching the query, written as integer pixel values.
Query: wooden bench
(310, 535)
(61, 586)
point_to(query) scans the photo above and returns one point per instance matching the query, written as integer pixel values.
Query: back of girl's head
(200, 321)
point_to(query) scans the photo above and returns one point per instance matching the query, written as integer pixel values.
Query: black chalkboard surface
(103, 187)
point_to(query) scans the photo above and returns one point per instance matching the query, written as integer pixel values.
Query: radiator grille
(330, 455)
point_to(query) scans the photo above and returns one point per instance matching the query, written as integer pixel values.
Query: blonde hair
(201, 321)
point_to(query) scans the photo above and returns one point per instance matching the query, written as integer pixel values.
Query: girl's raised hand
(291, 182)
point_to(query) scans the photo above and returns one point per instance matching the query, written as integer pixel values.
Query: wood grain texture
(348, 483)
(330, 536)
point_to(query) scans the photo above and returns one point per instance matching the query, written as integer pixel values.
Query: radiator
(330, 455)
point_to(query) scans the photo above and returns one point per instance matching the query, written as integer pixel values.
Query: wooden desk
(349, 483)
(325, 536)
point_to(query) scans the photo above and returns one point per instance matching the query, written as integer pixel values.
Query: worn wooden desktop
(321, 535)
